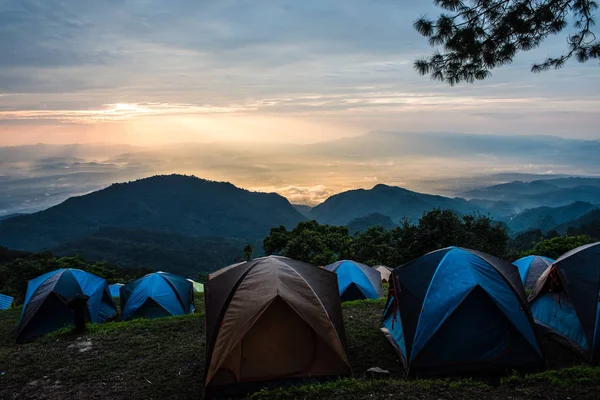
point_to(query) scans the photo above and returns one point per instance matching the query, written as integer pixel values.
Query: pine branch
(486, 34)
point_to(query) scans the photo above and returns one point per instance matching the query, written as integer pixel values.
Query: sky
(151, 72)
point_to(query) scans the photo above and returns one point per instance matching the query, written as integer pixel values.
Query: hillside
(9, 216)
(547, 218)
(184, 255)
(362, 224)
(496, 209)
(174, 204)
(395, 202)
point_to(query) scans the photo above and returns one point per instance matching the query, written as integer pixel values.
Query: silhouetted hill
(175, 204)
(364, 223)
(184, 255)
(547, 218)
(395, 202)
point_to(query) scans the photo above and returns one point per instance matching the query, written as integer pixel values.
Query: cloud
(310, 195)
(348, 63)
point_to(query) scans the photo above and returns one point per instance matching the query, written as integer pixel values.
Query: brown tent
(220, 271)
(272, 319)
(385, 272)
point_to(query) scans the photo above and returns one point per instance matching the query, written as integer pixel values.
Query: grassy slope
(164, 359)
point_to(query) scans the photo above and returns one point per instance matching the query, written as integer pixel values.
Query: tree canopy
(477, 36)
(310, 242)
(324, 244)
(558, 246)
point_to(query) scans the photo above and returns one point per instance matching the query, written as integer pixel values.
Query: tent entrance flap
(151, 309)
(279, 345)
(479, 333)
(53, 314)
(352, 292)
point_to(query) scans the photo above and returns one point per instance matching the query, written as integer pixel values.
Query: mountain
(129, 248)
(588, 224)
(547, 218)
(550, 192)
(175, 204)
(395, 202)
(364, 223)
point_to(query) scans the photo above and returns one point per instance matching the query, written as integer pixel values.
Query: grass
(532, 386)
(164, 359)
(579, 375)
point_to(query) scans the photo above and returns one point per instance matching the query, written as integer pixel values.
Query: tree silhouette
(479, 35)
(247, 252)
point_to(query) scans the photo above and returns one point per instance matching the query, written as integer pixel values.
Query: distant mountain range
(33, 178)
(548, 218)
(551, 192)
(190, 225)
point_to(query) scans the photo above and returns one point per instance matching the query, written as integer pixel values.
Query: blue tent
(531, 268)
(46, 307)
(6, 302)
(356, 281)
(564, 301)
(457, 310)
(157, 295)
(115, 289)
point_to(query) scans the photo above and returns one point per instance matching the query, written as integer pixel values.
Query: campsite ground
(164, 359)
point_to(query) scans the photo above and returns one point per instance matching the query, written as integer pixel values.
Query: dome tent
(225, 269)
(269, 320)
(115, 289)
(197, 286)
(564, 301)
(384, 271)
(6, 301)
(156, 295)
(46, 306)
(531, 268)
(356, 281)
(469, 299)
